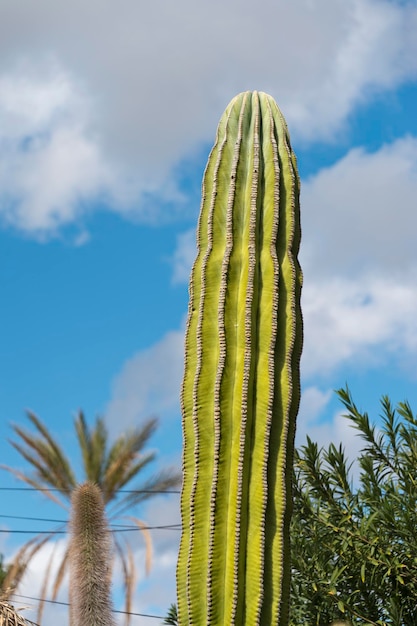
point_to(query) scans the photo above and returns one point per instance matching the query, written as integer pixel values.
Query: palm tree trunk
(90, 564)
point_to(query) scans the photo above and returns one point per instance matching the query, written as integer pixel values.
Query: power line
(34, 532)
(124, 527)
(176, 526)
(177, 491)
(36, 519)
(64, 532)
(117, 527)
(18, 595)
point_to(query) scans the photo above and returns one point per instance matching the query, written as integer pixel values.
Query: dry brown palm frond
(130, 580)
(128, 569)
(9, 616)
(60, 574)
(148, 541)
(129, 577)
(14, 574)
(44, 587)
(20, 563)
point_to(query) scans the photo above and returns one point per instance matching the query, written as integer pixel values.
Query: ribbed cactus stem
(90, 559)
(241, 386)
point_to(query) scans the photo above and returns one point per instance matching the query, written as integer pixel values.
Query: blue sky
(107, 116)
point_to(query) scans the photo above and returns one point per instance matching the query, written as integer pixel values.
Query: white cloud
(49, 165)
(361, 321)
(130, 111)
(44, 187)
(359, 214)
(29, 103)
(53, 167)
(359, 259)
(375, 50)
(149, 383)
(313, 402)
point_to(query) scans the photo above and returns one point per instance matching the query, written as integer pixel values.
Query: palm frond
(98, 451)
(83, 436)
(129, 570)
(51, 468)
(148, 541)
(122, 471)
(11, 575)
(172, 617)
(60, 575)
(9, 616)
(60, 462)
(44, 587)
(132, 441)
(23, 558)
(139, 436)
(164, 480)
(131, 581)
(33, 483)
(93, 447)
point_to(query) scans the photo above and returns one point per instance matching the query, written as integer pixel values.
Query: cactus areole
(241, 385)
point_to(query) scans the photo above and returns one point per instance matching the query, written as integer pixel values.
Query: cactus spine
(90, 559)
(241, 389)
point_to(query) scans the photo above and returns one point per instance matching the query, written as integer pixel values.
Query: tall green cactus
(241, 386)
(90, 559)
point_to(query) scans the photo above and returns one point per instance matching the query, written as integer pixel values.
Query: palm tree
(112, 468)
